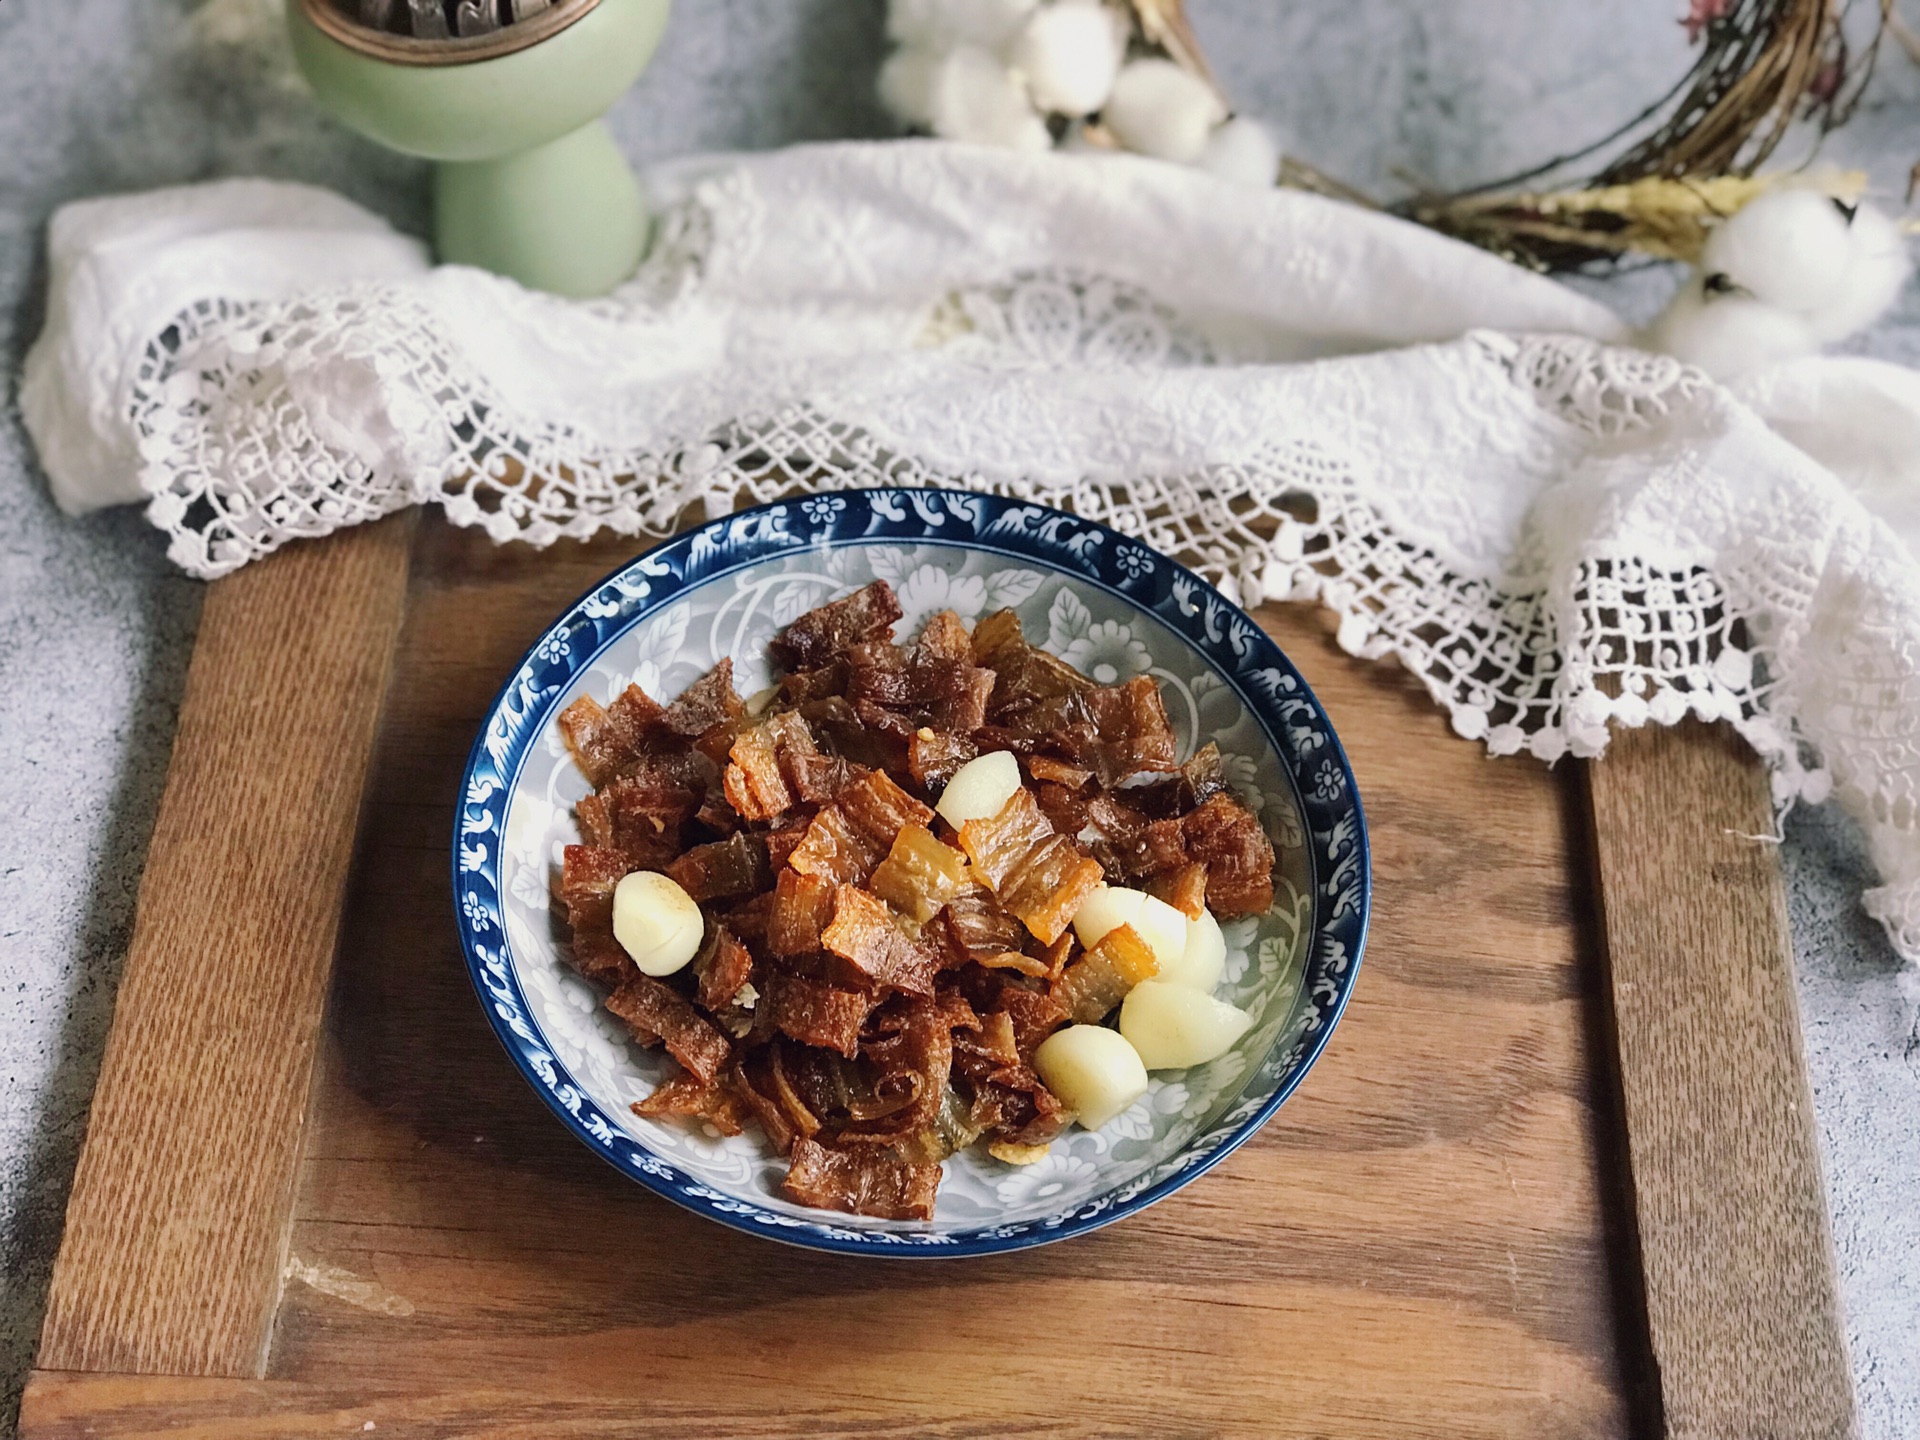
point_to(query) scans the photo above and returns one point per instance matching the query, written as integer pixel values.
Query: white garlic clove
(1203, 955)
(1070, 56)
(1786, 248)
(977, 99)
(656, 922)
(1163, 928)
(1093, 1070)
(1107, 907)
(1878, 273)
(1244, 152)
(906, 85)
(1159, 109)
(980, 789)
(1728, 336)
(1173, 1026)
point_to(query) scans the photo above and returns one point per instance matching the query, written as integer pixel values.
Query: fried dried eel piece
(752, 1080)
(867, 1181)
(598, 956)
(865, 935)
(1226, 837)
(722, 968)
(1034, 1015)
(1198, 781)
(1132, 733)
(934, 755)
(758, 779)
(605, 739)
(1037, 874)
(944, 637)
(914, 1063)
(835, 849)
(689, 1097)
(920, 874)
(643, 1001)
(879, 808)
(1059, 772)
(978, 925)
(589, 875)
(725, 868)
(1131, 844)
(709, 701)
(1025, 675)
(825, 634)
(802, 908)
(935, 683)
(1184, 888)
(1100, 979)
(641, 810)
(816, 1013)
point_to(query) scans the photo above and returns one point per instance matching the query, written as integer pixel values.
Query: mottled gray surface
(104, 95)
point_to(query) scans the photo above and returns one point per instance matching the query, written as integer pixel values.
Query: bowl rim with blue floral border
(1084, 552)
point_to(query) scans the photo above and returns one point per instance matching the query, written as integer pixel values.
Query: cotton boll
(1873, 281)
(1070, 55)
(1244, 152)
(907, 81)
(990, 24)
(977, 98)
(1159, 109)
(919, 22)
(1788, 248)
(943, 24)
(1728, 335)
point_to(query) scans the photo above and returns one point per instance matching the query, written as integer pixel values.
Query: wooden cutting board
(1555, 1176)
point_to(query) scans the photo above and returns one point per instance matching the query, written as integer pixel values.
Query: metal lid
(430, 32)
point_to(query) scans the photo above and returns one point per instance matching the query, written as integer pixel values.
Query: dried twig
(1654, 184)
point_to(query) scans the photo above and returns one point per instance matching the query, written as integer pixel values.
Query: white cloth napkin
(1303, 398)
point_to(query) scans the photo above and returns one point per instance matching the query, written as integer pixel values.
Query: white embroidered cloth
(1302, 399)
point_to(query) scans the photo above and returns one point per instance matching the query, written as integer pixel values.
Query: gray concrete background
(95, 628)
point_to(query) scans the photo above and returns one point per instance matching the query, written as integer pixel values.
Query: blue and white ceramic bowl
(1104, 602)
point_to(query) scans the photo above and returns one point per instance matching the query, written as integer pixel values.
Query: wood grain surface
(1732, 1214)
(1433, 1238)
(178, 1218)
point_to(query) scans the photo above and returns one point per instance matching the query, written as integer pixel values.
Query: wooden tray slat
(177, 1223)
(1732, 1215)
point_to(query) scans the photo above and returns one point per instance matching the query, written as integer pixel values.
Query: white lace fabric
(1301, 399)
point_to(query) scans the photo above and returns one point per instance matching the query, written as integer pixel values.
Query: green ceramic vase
(529, 182)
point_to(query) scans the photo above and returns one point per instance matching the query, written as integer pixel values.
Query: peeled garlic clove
(1174, 1026)
(1107, 907)
(656, 922)
(1159, 109)
(1788, 248)
(1203, 955)
(1070, 55)
(1728, 335)
(1873, 281)
(1242, 151)
(1163, 928)
(980, 789)
(1093, 1069)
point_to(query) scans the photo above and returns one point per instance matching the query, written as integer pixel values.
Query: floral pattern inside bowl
(1109, 606)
